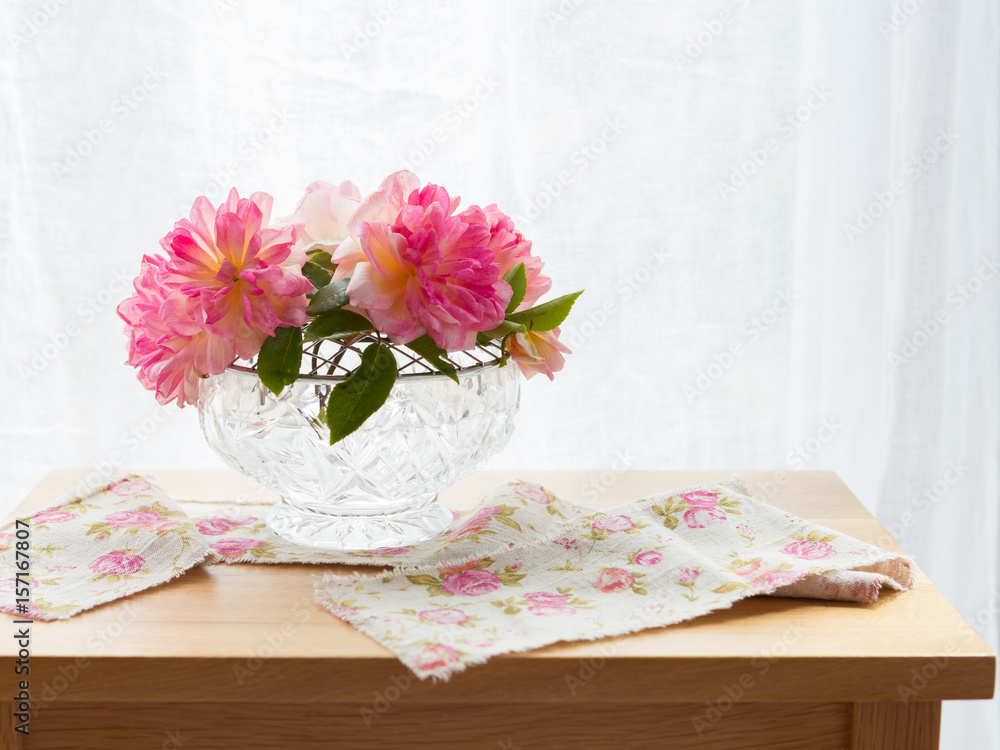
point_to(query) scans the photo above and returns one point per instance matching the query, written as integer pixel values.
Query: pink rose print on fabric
(688, 575)
(549, 611)
(133, 519)
(704, 509)
(532, 493)
(168, 526)
(612, 524)
(444, 616)
(614, 579)
(545, 598)
(476, 522)
(126, 487)
(809, 550)
(767, 576)
(475, 582)
(649, 557)
(117, 563)
(52, 516)
(213, 526)
(435, 657)
(235, 547)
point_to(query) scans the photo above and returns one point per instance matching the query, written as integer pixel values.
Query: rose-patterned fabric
(92, 547)
(650, 563)
(521, 570)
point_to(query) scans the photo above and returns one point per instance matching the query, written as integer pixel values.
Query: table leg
(896, 726)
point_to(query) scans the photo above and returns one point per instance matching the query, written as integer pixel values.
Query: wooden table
(240, 656)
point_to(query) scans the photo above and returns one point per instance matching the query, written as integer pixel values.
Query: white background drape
(778, 210)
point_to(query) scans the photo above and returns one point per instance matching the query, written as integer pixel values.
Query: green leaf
(335, 324)
(505, 328)
(426, 348)
(279, 359)
(518, 281)
(361, 395)
(331, 297)
(548, 315)
(731, 586)
(316, 274)
(322, 258)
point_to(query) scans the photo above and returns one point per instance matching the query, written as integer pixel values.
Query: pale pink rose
(704, 509)
(324, 213)
(391, 551)
(537, 352)
(127, 487)
(613, 524)
(614, 579)
(235, 547)
(546, 610)
(133, 519)
(474, 582)
(476, 522)
(52, 516)
(746, 530)
(422, 270)
(688, 574)
(533, 493)
(216, 526)
(118, 563)
(436, 657)
(168, 526)
(649, 557)
(545, 598)
(511, 249)
(444, 616)
(7, 540)
(810, 550)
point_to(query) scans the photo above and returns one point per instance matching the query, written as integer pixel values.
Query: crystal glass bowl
(376, 488)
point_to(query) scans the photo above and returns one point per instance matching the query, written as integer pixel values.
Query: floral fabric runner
(521, 570)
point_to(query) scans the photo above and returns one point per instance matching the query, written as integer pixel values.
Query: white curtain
(785, 216)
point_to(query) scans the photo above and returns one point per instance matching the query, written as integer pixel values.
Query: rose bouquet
(402, 265)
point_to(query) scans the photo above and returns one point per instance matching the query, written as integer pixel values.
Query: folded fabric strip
(95, 546)
(650, 563)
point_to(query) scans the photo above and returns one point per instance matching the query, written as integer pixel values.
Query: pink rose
(7, 540)
(418, 268)
(52, 516)
(809, 550)
(235, 547)
(213, 526)
(547, 599)
(475, 582)
(433, 658)
(533, 493)
(537, 352)
(476, 522)
(168, 526)
(132, 519)
(649, 557)
(548, 611)
(704, 509)
(614, 579)
(612, 524)
(118, 563)
(444, 616)
(390, 551)
(688, 574)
